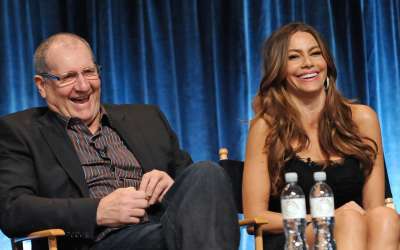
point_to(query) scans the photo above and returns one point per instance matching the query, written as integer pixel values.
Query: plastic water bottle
(322, 212)
(294, 213)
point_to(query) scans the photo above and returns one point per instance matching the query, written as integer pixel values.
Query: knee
(206, 171)
(205, 165)
(207, 178)
(384, 219)
(350, 220)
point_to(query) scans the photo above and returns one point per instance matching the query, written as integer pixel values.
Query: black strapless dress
(345, 178)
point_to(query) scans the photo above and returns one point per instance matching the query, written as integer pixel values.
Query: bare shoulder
(365, 118)
(363, 114)
(259, 126)
(258, 132)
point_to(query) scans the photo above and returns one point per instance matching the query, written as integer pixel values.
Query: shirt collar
(70, 121)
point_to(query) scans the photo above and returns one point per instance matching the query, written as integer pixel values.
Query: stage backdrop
(200, 60)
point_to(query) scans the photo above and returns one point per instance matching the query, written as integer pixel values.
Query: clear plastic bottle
(294, 213)
(323, 212)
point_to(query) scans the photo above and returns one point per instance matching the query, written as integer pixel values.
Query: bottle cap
(291, 177)
(320, 176)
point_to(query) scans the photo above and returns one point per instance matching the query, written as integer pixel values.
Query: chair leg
(17, 245)
(52, 243)
(259, 238)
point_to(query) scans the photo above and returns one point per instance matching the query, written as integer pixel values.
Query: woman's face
(306, 67)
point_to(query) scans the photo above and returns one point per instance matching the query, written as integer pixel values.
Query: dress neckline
(330, 163)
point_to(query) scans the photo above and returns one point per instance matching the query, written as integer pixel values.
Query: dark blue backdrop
(200, 60)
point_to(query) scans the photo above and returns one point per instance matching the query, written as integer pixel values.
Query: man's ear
(39, 82)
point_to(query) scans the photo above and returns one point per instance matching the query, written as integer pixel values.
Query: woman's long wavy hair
(338, 134)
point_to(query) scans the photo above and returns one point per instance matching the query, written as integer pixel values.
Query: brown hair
(39, 58)
(337, 132)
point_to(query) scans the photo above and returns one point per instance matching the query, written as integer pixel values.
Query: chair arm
(257, 222)
(41, 234)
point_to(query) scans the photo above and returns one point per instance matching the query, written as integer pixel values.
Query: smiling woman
(306, 66)
(301, 115)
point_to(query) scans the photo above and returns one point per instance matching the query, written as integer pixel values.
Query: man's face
(81, 98)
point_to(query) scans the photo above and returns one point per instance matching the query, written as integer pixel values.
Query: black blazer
(42, 184)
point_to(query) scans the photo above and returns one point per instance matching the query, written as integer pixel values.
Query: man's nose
(82, 83)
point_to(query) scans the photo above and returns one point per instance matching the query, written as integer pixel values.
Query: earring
(326, 84)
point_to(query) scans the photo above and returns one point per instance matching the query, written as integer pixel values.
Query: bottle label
(293, 208)
(322, 207)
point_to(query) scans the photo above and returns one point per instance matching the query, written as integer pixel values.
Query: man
(111, 176)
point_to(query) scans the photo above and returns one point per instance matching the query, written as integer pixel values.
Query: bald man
(111, 176)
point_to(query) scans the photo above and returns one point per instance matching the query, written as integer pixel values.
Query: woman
(304, 125)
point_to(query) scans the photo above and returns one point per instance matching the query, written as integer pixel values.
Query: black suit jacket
(42, 184)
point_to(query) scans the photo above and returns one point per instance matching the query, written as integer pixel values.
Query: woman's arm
(368, 125)
(256, 182)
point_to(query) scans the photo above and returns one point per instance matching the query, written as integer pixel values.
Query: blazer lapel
(132, 137)
(60, 143)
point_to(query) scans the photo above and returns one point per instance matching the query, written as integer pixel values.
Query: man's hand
(155, 184)
(123, 206)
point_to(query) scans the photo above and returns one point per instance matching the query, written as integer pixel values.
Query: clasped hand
(128, 205)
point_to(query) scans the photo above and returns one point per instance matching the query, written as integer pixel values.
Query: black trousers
(200, 214)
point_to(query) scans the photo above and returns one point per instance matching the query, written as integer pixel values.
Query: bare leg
(310, 236)
(350, 230)
(383, 229)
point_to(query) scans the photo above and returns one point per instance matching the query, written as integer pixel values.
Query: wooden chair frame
(256, 222)
(50, 234)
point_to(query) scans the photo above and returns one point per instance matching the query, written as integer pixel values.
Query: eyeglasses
(69, 78)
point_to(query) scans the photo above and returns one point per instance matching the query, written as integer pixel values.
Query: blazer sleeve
(24, 205)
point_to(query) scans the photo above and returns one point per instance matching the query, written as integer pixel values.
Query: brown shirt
(107, 163)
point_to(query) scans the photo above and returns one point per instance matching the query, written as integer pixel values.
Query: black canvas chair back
(235, 171)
